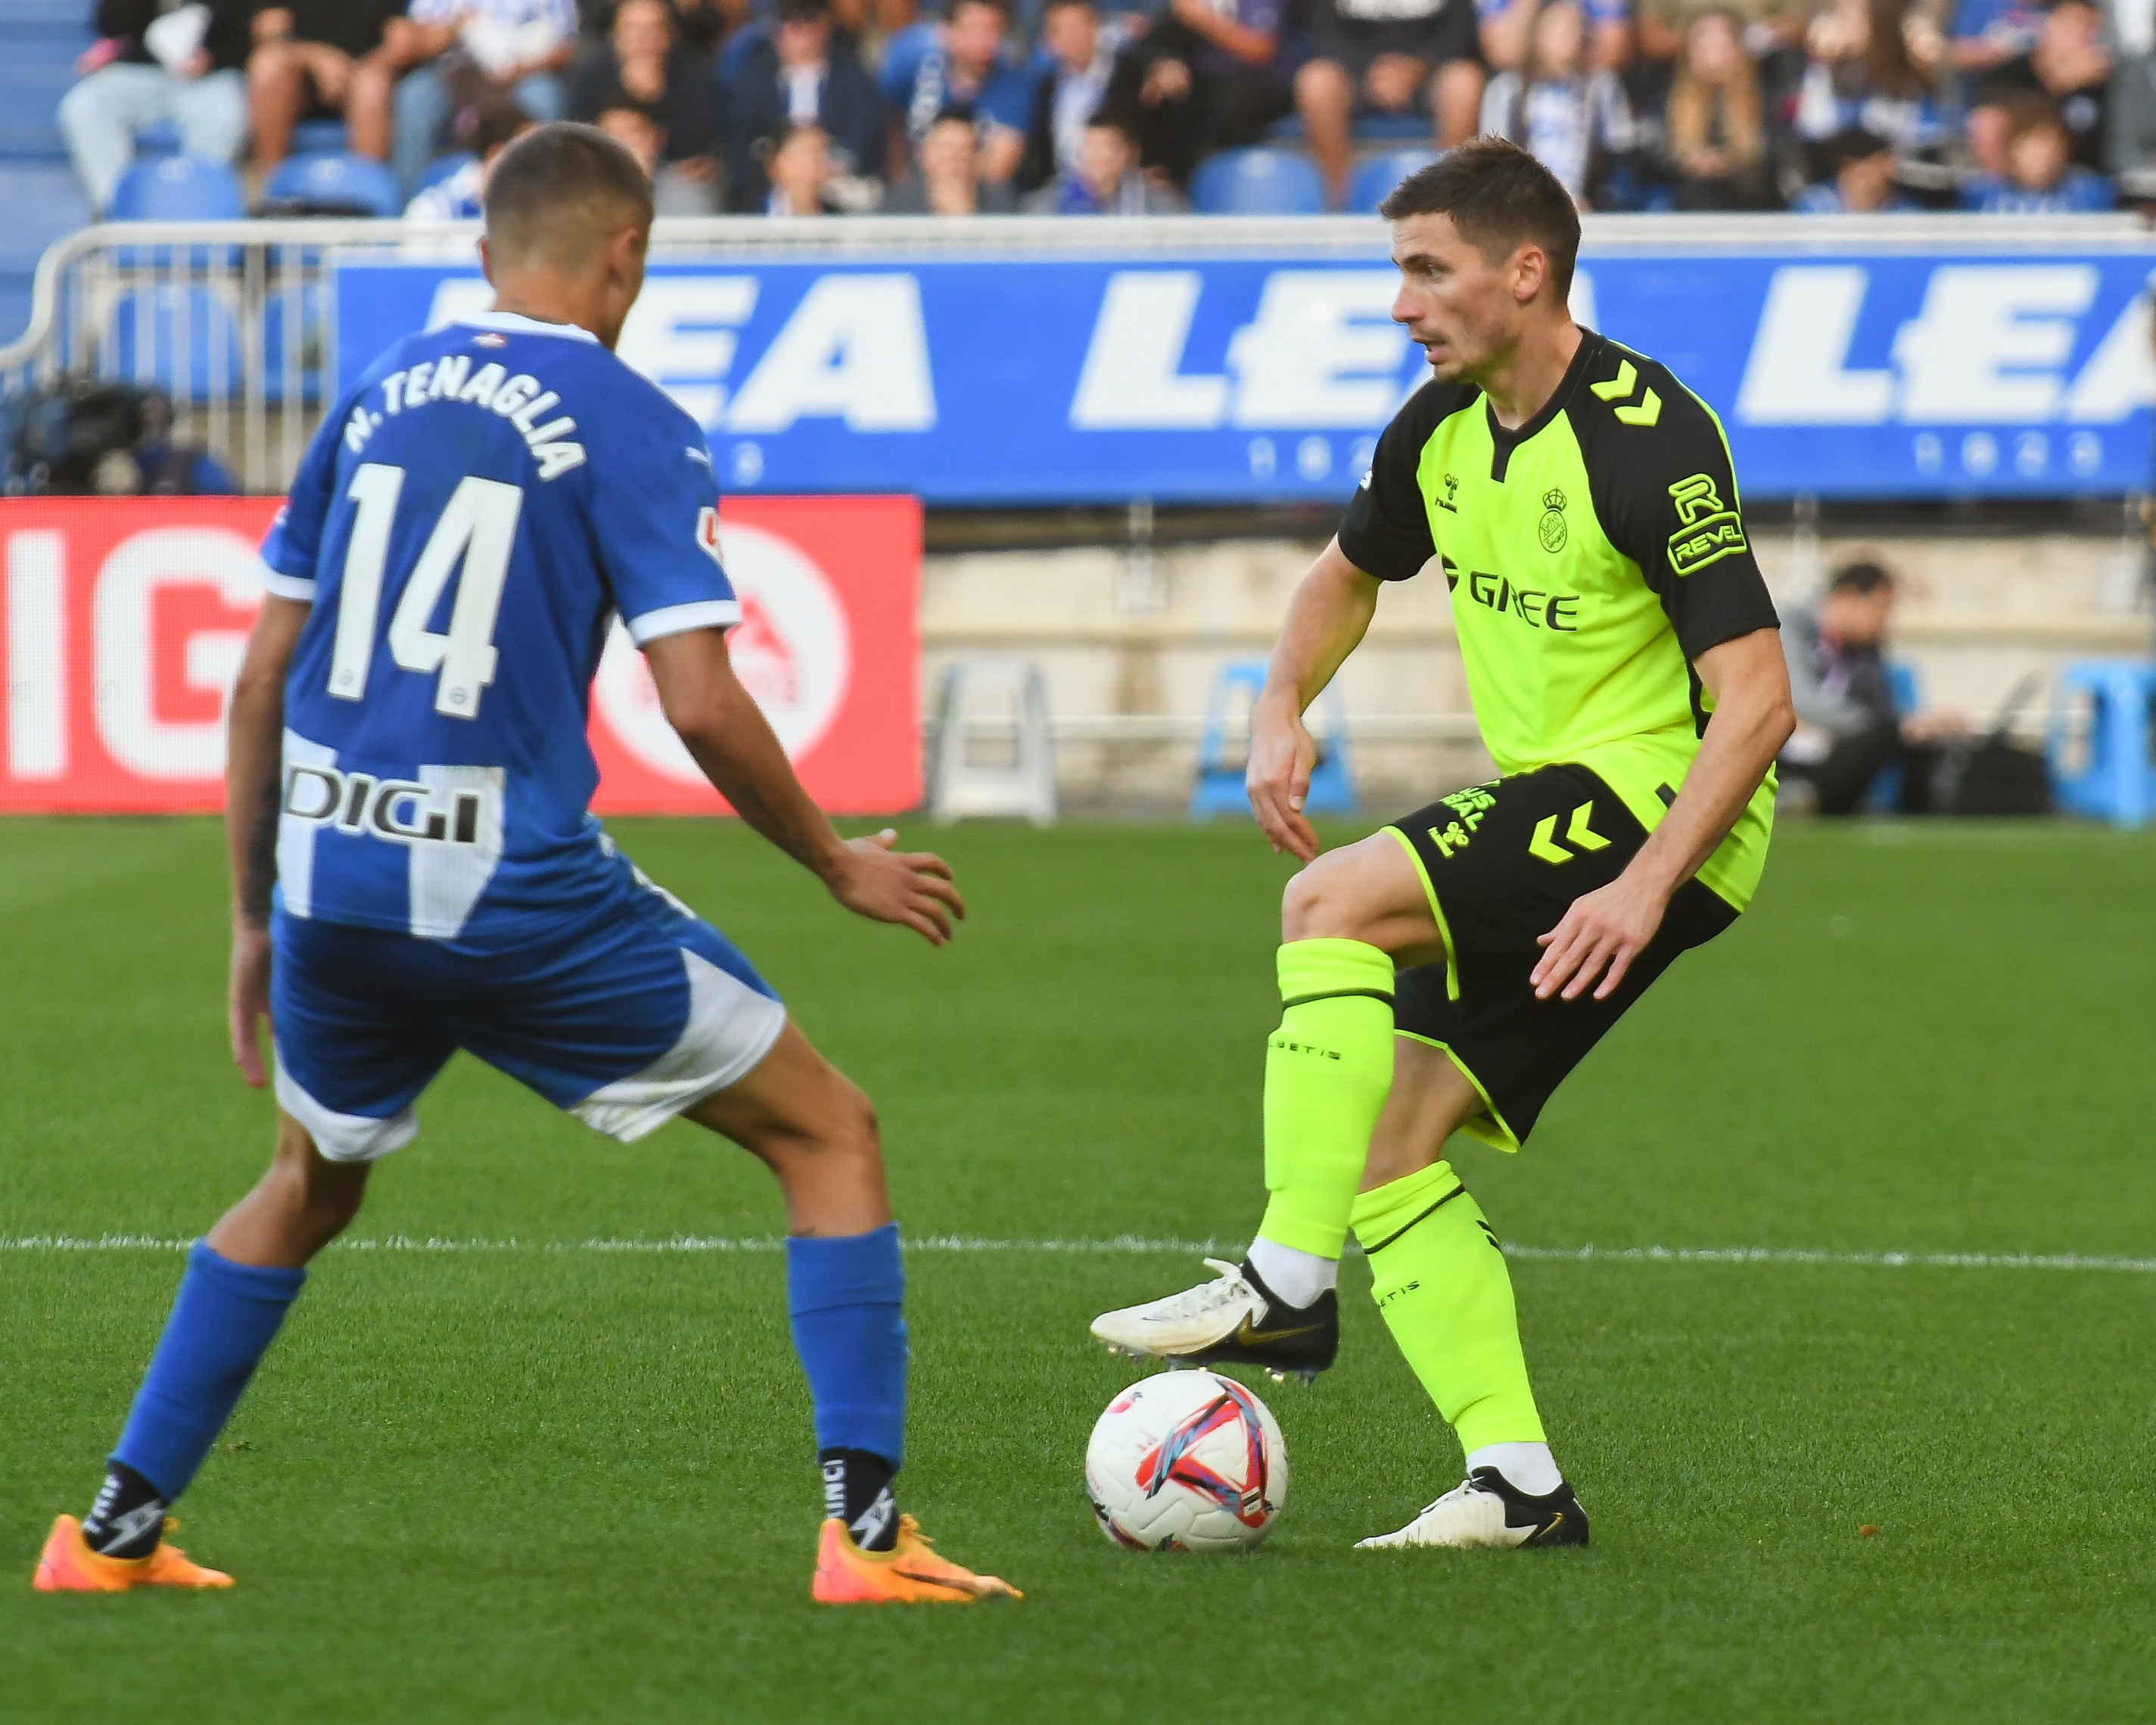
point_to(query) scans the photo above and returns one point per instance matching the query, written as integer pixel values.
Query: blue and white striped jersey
(466, 525)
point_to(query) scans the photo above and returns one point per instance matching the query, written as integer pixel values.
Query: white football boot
(1234, 1320)
(1487, 1510)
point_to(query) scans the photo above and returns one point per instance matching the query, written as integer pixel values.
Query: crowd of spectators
(802, 107)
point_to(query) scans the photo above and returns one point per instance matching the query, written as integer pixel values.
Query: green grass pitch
(546, 1484)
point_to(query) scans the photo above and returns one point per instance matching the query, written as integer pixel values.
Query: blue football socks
(846, 1299)
(222, 1322)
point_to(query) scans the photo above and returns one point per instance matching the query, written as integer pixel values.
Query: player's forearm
(1327, 616)
(734, 744)
(254, 750)
(1753, 718)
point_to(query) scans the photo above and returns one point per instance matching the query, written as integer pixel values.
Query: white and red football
(1186, 1461)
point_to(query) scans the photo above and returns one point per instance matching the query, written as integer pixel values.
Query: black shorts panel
(1503, 862)
(1454, 35)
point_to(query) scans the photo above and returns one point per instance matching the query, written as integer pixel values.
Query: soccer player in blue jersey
(415, 870)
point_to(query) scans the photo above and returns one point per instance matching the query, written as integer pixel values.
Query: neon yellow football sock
(1441, 1283)
(1327, 1068)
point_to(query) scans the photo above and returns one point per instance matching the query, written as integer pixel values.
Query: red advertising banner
(122, 621)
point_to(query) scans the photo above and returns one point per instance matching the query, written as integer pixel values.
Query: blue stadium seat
(1376, 177)
(1257, 182)
(168, 316)
(306, 384)
(443, 168)
(178, 188)
(313, 137)
(358, 183)
(160, 138)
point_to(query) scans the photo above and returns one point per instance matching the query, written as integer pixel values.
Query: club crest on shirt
(1551, 530)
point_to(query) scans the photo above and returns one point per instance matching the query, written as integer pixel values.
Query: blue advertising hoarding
(985, 379)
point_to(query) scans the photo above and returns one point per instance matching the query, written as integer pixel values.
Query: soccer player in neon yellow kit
(1445, 974)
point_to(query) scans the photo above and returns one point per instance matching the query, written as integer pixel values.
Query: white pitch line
(1139, 1244)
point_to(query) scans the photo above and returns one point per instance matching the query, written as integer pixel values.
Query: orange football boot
(68, 1566)
(909, 1573)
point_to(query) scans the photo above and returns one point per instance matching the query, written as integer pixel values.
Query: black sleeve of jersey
(1666, 496)
(1386, 530)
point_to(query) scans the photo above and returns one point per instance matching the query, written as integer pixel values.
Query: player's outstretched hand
(885, 884)
(1601, 934)
(246, 999)
(1282, 758)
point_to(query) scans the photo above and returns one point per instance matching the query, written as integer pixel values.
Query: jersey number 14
(477, 528)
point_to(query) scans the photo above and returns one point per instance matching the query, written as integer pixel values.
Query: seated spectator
(457, 50)
(1386, 57)
(1714, 128)
(496, 123)
(1862, 164)
(672, 193)
(644, 66)
(321, 57)
(2070, 65)
(946, 180)
(965, 66)
(702, 24)
(1082, 72)
(1107, 180)
(2040, 177)
(1210, 77)
(1505, 27)
(1872, 64)
(801, 75)
(1848, 727)
(149, 68)
(797, 166)
(1570, 116)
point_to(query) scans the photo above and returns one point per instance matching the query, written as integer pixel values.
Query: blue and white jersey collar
(514, 323)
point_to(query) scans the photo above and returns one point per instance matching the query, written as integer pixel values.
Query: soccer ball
(1186, 1461)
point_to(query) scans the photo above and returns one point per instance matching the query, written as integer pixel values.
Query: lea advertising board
(123, 621)
(983, 379)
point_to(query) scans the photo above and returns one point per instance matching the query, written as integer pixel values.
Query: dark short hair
(2032, 111)
(1853, 144)
(1500, 198)
(1862, 577)
(556, 173)
(1000, 7)
(804, 12)
(1114, 117)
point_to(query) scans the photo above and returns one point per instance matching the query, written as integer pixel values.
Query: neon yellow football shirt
(1592, 555)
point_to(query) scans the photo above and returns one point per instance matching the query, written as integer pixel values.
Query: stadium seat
(317, 137)
(171, 317)
(1375, 178)
(2116, 778)
(1257, 182)
(305, 383)
(178, 188)
(161, 139)
(1220, 787)
(358, 183)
